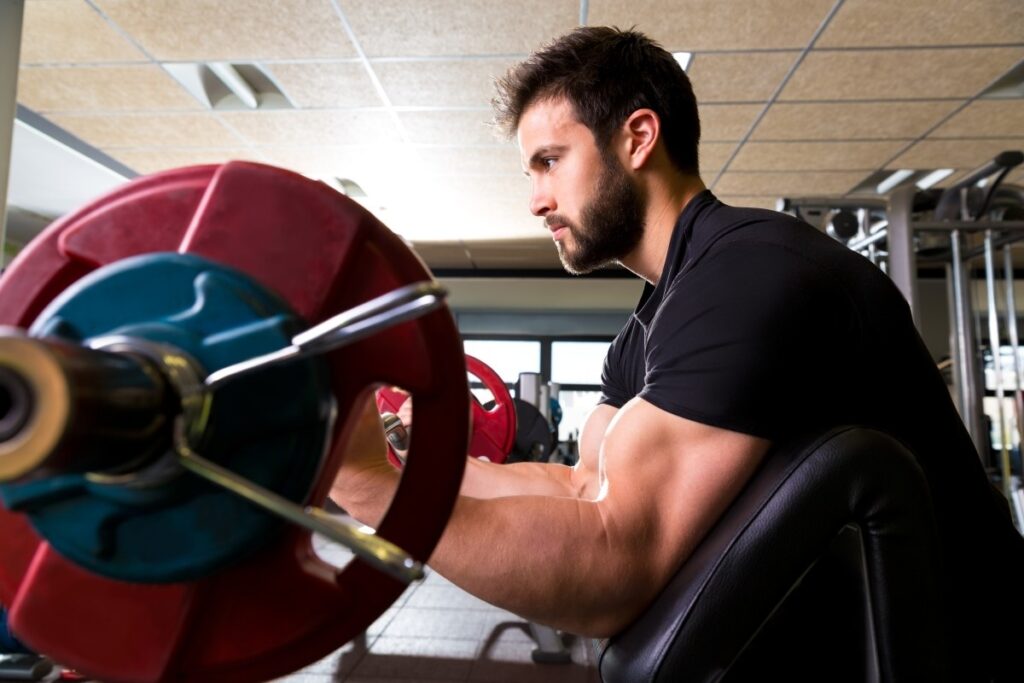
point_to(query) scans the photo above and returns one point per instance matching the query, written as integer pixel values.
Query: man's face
(588, 201)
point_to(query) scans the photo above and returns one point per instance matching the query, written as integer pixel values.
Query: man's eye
(548, 162)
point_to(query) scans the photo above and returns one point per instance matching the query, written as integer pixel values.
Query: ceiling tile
(70, 31)
(232, 29)
(814, 156)
(985, 118)
(715, 24)
(723, 122)
(101, 88)
(402, 28)
(472, 160)
(898, 74)
(739, 183)
(152, 160)
(448, 127)
(441, 83)
(713, 155)
(148, 130)
(738, 77)
(313, 127)
(850, 120)
(353, 162)
(954, 153)
(755, 202)
(326, 84)
(879, 23)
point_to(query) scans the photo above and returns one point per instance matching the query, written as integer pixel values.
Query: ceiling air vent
(229, 87)
(1010, 86)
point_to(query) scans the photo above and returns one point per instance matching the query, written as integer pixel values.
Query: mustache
(555, 219)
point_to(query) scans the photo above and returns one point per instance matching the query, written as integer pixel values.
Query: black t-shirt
(763, 325)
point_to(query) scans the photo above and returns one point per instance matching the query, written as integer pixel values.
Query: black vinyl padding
(824, 568)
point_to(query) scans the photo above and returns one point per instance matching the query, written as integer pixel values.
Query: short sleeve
(736, 341)
(623, 371)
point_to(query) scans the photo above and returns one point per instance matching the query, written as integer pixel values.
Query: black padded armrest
(804, 497)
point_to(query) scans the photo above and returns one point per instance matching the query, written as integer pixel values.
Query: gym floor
(437, 632)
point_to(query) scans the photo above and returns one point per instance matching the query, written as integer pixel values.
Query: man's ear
(642, 130)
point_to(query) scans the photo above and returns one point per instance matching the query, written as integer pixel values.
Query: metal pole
(902, 257)
(11, 13)
(962, 341)
(1011, 326)
(995, 346)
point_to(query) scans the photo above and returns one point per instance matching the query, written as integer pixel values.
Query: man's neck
(666, 202)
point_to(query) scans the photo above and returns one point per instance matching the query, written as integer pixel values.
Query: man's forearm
(550, 560)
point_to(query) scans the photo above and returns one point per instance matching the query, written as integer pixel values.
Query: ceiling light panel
(934, 178)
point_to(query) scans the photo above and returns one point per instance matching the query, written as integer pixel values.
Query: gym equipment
(494, 426)
(826, 561)
(954, 228)
(534, 439)
(24, 667)
(176, 414)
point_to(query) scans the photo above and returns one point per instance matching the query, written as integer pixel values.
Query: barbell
(183, 363)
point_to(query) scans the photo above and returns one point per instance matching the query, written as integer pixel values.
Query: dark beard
(611, 224)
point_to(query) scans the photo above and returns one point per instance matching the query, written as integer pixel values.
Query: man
(753, 327)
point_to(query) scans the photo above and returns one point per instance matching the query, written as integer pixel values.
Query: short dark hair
(606, 74)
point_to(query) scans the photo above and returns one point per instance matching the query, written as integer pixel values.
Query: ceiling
(797, 97)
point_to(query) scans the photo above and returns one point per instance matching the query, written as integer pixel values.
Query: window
(578, 362)
(506, 357)
(576, 405)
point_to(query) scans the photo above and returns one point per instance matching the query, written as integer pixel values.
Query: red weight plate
(282, 608)
(494, 430)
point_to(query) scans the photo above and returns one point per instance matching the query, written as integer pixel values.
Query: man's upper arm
(668, 481)
(587, 475)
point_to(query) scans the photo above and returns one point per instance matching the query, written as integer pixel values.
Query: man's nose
(541, 201)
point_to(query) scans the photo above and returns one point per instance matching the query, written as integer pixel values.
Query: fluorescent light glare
(683, 58)
(893, 180)
(934, 177)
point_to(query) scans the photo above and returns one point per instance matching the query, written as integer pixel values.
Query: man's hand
(365, 472)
